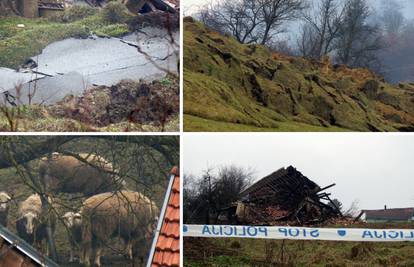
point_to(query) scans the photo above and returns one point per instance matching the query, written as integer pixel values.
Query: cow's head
(4, 201)
(30, 221)
(71, 219)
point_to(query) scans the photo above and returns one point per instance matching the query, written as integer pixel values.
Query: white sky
(190, 6)
(376, 169)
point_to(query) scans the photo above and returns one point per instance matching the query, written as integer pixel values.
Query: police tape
(299, 233)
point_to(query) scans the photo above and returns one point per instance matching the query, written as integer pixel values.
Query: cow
(31, 224)
(73, 223)
(125, 214)
(89, 174)
(4, 208)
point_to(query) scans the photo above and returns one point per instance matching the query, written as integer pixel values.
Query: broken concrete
(72, 65)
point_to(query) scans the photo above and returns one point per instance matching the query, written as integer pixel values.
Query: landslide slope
(229, 86)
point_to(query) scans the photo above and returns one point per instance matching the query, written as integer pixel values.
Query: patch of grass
(218, 252)
(18, 44)
(197, 124)
(114, 30)
(75, 13)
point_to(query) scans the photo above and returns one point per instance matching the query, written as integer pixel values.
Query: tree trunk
(49, 227)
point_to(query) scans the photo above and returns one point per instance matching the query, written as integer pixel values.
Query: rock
(371, 89)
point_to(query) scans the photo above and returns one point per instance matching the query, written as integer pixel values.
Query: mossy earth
(236, 87)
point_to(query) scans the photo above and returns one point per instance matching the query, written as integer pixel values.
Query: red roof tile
(167, 249)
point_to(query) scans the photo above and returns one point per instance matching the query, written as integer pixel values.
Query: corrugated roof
(167, 248)
(390, 214)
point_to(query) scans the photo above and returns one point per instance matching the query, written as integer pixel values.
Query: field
(229, 252)
(197, 124)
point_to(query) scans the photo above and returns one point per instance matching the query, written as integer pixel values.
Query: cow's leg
(71, 254)
(98, 256)
(129, 249)
(86, 255)
(47, 249)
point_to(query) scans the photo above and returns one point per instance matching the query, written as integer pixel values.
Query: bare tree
(320, 29)
(207, 194)
(275, 13)
(353, 209)
(239, 18)
(250, 21)
(392, 17)
(358, 41)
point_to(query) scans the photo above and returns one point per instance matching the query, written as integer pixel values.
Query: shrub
(74, 13)
(114, 12)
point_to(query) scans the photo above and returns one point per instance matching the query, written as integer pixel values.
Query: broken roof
(167, 246)
(400, 214)
(16, 244)
(286, 183)
(50, 4)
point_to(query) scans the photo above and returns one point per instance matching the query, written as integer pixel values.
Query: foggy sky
(376, 169)
(191, 6)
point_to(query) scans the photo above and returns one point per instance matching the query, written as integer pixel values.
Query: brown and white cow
(31, 224)
(127, 214)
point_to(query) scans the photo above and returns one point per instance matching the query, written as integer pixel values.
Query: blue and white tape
(300, 233)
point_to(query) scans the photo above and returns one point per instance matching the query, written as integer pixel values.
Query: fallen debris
(136, 102)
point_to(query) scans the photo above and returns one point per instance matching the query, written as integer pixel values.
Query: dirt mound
(229, 82)
(136, 102)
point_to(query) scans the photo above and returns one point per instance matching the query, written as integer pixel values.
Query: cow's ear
(8, 197)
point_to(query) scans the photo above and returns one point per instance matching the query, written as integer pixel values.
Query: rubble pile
(285, 196)
(136, 102)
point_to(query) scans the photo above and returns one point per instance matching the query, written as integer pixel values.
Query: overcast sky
(190, 6)
(376, 169)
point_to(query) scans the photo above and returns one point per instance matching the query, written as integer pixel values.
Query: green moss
(116, 30)
(197, 124)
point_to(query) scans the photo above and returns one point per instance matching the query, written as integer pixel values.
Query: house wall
(47, 13)
(12, 258)
(384, 221)
(28, 8)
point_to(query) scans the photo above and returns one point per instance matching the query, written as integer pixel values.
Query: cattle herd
(114, 212)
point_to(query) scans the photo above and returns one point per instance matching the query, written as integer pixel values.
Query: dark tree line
(215, 189)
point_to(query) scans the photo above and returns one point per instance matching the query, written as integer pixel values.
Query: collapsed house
(283, 196)
(39, 8)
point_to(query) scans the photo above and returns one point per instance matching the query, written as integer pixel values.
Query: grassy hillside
(230, 84)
